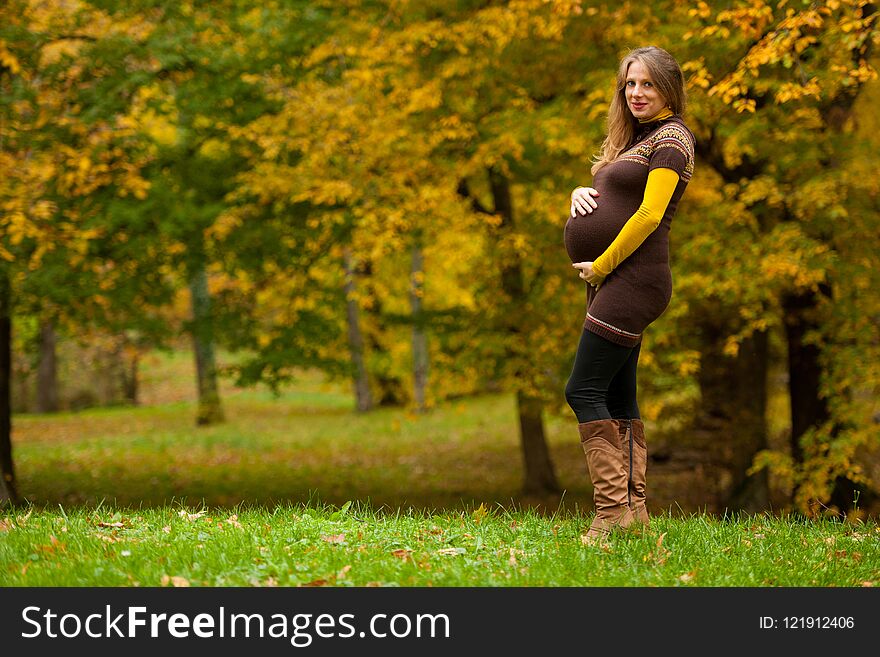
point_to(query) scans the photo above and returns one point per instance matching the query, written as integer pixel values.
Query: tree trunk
(47, 371)
(705, 464)
(210, 410)
(22, 398)
(391, 388)
(419, 339)
(744, 404)
(132, 381)
(128, 371)
(809, 409)
(539, 478)
(8, 492)
(363, 397)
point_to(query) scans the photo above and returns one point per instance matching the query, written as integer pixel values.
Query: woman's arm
(658, 192)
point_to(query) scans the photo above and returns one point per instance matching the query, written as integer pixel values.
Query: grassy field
(306, 445)
(354, 545)
(299, 490)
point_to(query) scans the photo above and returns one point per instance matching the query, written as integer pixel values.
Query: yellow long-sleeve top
(658, 192)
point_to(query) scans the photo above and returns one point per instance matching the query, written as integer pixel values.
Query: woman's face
(642, 97)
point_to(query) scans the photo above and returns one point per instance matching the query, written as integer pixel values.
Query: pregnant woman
(617, 237)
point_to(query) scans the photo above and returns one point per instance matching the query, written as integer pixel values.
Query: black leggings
(602, 385)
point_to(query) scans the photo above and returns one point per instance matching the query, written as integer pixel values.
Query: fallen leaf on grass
(183, 513)
(865, 583)
(401, 553)
(335, 538)
(180, 582)
(452, 551)
(480, 513)
(660, 554)
(270, 582)
(687, 577)
(330, 580)
(233, 520)
(118, 525)
(316, 582)
(433, 531)
(6, 525)
(54, 546)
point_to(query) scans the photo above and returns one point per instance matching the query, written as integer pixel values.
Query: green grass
(142, 497)
(306, 444)
(356, 545)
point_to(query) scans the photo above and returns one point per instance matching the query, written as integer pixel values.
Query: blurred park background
(260, 252)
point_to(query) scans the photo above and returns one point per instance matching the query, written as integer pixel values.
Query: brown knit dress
(639, 289)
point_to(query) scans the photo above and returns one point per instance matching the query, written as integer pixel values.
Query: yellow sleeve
(658, 192)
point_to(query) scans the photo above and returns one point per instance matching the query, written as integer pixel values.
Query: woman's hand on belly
(582, 201)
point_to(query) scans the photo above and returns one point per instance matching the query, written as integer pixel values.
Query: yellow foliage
(214, 149)
(789, 91)
(52, 52)
(9, 60)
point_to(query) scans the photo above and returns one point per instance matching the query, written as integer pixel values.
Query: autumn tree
(58, 154)
(439, 131)
(773, 87)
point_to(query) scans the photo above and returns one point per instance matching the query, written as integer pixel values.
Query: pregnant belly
(587, 236)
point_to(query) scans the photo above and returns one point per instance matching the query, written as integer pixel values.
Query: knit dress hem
(611, 332)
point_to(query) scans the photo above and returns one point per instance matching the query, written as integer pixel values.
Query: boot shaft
(634, 444)
(608, 472)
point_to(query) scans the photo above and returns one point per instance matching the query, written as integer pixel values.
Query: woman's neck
(665, 113)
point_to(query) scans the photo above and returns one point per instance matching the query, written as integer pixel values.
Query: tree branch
(464, 191)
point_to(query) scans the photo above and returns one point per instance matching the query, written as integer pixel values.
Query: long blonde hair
(669, 82)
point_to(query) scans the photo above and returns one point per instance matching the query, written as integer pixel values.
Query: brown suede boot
(601, 443)
(635, 457)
